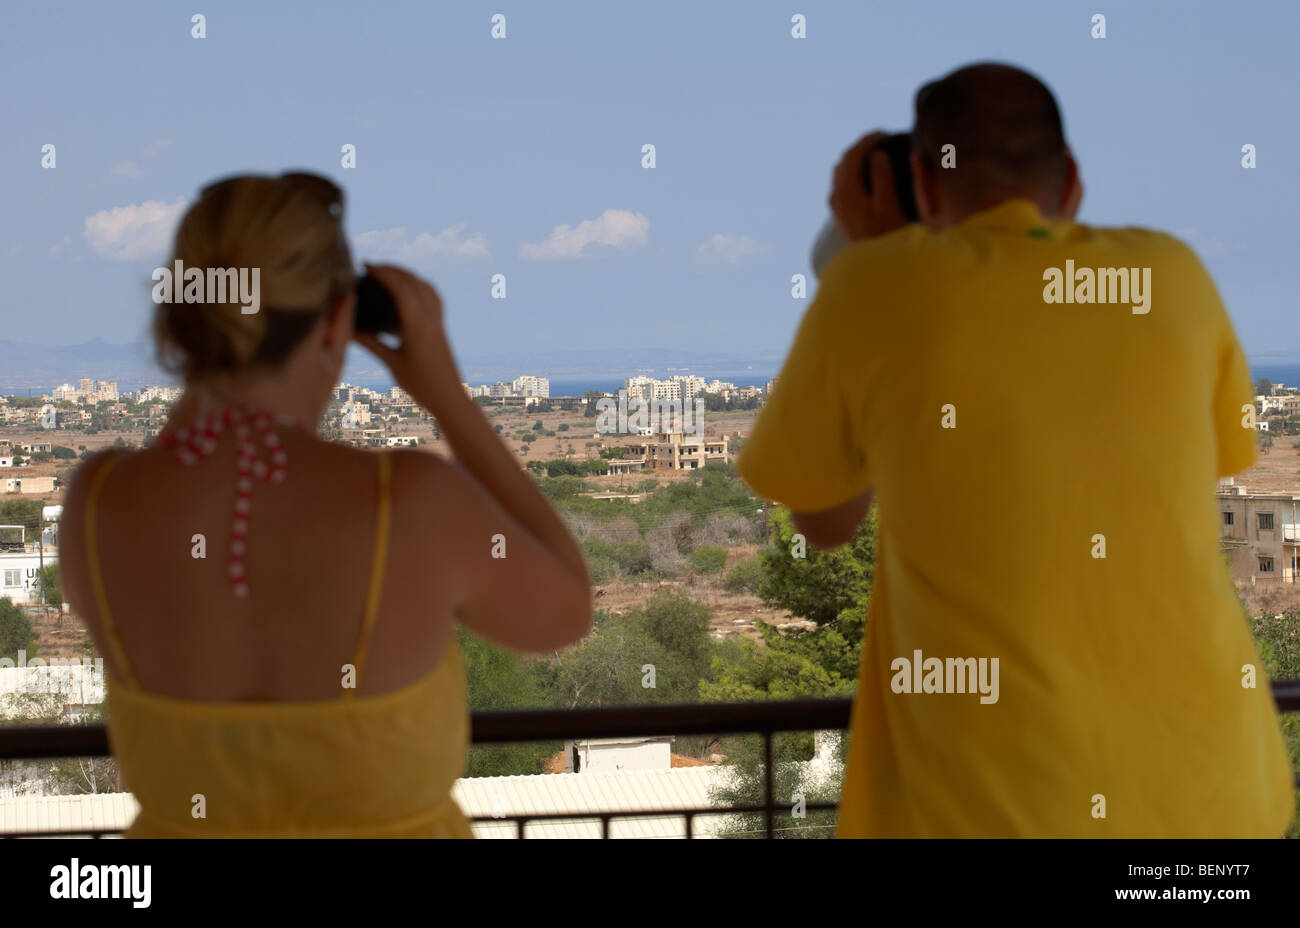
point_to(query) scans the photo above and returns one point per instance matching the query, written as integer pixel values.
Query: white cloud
(58, 249)
(731, 249)
(154, 147)
(134, 231)
(447, 243)
(126, 169)
(1209, 246)
(617, 228)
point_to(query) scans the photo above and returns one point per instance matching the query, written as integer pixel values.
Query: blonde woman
(276, 612)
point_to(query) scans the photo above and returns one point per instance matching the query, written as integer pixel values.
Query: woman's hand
(423, 364)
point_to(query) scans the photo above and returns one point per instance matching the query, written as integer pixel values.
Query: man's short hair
(1004, 124)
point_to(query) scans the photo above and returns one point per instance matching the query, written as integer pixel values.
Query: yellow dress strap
(383, 518)
(96, 577)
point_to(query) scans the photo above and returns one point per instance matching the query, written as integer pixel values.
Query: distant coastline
(570, 385)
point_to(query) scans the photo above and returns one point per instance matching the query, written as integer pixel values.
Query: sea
(1288, 374)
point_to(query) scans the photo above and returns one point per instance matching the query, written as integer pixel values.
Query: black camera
(375, 312)
(898, 147)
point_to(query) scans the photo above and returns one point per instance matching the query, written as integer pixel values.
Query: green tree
(833, 589)
(22, 511)
(1278, 637)
(792, 779)
(50, 583)
(16, 632)
(655, 653)
(821, 583)
(708, 559)
(501, 679)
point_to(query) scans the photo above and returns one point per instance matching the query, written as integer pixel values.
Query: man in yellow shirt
(1039, 409)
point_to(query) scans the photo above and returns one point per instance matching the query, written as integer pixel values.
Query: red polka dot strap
(193, 444)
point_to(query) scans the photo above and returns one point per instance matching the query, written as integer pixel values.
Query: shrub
(634, 557)
(708, 560)
(603, 569)
(559, 488)
(745, 577)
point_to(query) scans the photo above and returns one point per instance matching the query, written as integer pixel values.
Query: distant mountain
(39, 368)
(25, 366)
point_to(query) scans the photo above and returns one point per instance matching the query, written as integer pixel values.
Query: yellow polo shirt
(1045, 477)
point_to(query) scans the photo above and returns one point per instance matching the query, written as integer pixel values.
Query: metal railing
(765, 719)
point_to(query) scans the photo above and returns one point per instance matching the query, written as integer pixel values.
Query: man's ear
(1072, 193)
(925, 188)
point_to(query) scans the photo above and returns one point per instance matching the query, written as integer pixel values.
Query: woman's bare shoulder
(74, 501)
(417, 471)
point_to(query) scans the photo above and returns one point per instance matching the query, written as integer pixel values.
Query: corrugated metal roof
(621, 791)
(40, 814)
(578, 793)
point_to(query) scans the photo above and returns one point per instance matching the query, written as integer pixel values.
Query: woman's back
(252, 724)
(164, 532)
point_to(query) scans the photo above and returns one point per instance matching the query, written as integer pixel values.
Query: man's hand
(831, 528)
(859, 214)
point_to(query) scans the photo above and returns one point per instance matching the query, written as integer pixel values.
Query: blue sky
(479, 148)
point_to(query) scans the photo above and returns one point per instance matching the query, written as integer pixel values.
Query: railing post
(770, 808)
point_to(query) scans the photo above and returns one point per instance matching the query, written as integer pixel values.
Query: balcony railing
(765, 719)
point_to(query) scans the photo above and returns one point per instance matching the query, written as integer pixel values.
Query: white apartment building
(163, 394)
(354, 415)
(690, 386)
(648, 388)
(528, 385)
(681, 388)
(88, 392)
